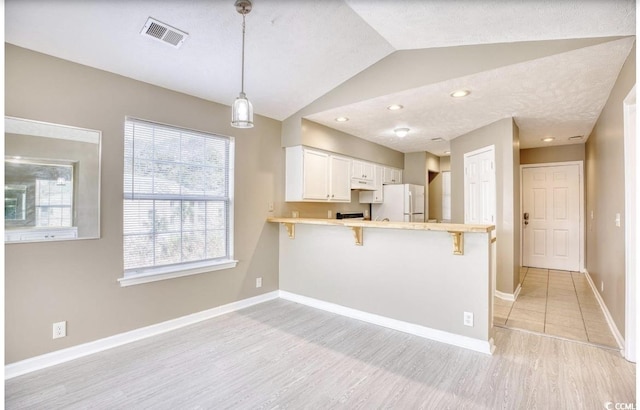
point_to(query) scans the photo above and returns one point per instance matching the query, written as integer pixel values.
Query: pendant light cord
(242, 80)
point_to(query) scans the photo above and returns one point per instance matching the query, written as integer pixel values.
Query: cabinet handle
(361, 182)
(327, 196)
(332, 196)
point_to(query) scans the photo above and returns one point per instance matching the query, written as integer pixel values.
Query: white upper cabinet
(392, 176)
(340, 178)
(315, 173)
(316, 176)
(362, 175)
(374, 197)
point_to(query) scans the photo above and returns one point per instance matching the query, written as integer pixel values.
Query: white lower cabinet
(316, 176)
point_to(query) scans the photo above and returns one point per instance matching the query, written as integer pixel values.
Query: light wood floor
(284, 355)
(557, 303)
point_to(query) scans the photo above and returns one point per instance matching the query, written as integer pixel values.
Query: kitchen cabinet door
(392, 176)
(315, 175)
(340, 182)
(374, 197)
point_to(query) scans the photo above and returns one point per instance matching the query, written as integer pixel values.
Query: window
(54, 201)
(446, 195)
(178, 202)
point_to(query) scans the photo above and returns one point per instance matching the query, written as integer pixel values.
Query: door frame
(581, 221)
(632, 228)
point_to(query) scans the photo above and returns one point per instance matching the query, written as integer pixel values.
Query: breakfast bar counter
(433, 280)
(456, 230)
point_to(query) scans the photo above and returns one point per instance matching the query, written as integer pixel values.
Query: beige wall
(605, 176)
(76, 281)
(561, 153)
(415, 168)
(503, 134)
(325, 138)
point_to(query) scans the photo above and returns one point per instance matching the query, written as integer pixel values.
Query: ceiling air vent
(164, 32)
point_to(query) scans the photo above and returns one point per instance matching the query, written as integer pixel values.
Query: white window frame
(156, 273)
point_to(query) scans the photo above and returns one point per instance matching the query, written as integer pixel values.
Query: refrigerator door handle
(410, 203)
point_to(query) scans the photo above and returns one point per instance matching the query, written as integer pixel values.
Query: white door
(480, 187)
(551, 217)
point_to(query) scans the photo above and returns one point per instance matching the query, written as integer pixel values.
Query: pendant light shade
(242, 110)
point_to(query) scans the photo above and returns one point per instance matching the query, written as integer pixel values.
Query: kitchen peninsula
(429, 279)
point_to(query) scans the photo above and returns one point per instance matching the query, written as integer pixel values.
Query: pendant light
(242, 110)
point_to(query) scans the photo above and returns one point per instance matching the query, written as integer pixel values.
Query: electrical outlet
(468, 319)
(59, 329)
(601, 286)
(366, 214)
(258, 282)
(618, 220)
(329, 214)
(270, 206)
(295, 214)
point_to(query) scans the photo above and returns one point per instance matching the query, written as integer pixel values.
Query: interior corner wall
(503, 134)
(605, 193)
(77, 281)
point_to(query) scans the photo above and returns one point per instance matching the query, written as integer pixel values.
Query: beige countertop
(419, 226)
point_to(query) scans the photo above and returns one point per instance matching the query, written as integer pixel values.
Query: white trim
(22, 126)
(511, 297)
(582, 205)
(631, 226)
(85, 349)
(612, 325)
(176, 271)
(477, 345)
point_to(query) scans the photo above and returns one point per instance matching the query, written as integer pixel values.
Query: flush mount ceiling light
(447, 152)
(342, 119)
(401, 132)
(460, 93)
(438, 139)
(548, 139)
(395, 107)
(242, 110)
(575, 137)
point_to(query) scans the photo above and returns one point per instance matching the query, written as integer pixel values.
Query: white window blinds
(177, 196)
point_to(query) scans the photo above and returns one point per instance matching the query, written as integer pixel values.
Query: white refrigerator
(401, 203)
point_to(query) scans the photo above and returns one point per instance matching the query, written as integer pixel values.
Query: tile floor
(557, 303)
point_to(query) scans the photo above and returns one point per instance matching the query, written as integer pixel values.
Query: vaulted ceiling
(301, 53)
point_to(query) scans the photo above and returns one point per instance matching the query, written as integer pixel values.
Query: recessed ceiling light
(438, 139)
(401, 132)
(342, 119)
(460, 93)
(548, 139)
(576, 137)
(395, 107)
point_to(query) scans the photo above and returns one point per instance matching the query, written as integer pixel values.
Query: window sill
(175, 272)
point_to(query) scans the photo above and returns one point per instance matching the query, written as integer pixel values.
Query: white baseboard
(477, 345)
(85, 349)
(511, 297)
(607, 314)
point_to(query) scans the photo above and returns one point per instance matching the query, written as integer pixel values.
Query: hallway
(556, 303)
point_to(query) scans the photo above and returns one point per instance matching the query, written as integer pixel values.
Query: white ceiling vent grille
(164, 32)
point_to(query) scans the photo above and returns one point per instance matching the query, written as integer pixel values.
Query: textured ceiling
(560, 96)
(297, 52)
